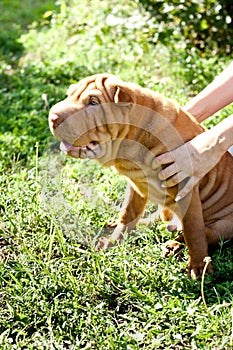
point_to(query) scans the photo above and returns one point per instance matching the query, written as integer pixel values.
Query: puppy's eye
(93, 101)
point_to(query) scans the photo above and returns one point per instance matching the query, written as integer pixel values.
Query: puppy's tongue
(66, 147)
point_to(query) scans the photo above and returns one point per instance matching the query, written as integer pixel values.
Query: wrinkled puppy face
(89, 117)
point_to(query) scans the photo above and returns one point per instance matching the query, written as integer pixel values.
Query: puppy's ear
(119, 91)
(124, 95)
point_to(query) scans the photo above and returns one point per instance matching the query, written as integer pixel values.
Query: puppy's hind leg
(221, 230)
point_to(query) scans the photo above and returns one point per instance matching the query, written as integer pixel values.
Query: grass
(56, 291)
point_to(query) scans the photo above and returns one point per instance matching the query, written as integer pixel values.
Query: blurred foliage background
(204, 25)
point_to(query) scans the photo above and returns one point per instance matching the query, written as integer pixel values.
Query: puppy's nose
(55, 120)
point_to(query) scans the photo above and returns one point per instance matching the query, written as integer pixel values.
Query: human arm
(214, 97)
(195, 158)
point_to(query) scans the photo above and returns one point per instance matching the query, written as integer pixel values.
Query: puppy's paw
(112, 224)
(172, 228)
(104, 243)
(196, 268)
(172, 247)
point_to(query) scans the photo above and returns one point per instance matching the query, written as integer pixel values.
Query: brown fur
(127, 128)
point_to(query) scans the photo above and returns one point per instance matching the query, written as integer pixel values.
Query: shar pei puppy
(125, 126)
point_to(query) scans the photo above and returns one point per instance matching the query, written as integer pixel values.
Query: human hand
(191, 161)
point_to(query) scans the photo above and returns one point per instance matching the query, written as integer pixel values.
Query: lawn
(57, 292)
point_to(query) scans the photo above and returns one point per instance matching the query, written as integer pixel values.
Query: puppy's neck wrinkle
(160, 116)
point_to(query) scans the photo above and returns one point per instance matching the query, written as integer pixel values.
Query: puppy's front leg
(131, 213)
(194, 233)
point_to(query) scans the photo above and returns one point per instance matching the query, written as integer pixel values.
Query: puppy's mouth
(89, 150)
